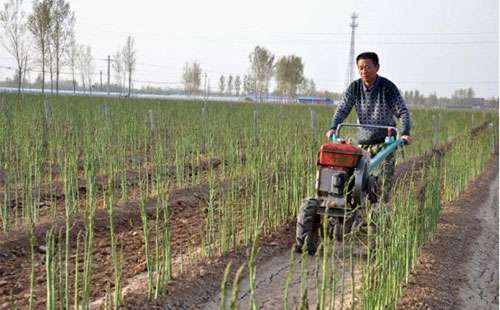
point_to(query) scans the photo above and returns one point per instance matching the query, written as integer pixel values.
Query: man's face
(367, 70)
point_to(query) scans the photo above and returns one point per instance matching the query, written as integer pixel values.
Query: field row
(95, 192)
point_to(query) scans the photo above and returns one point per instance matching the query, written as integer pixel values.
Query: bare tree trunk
(129, 81)
(20, 79)
(51, 72)
(57, 75)
(43, 73)
(25, 69)
(74, 83)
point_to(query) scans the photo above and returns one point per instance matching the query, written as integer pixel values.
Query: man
(377, 101)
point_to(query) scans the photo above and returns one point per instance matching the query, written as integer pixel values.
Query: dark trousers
(386, 169)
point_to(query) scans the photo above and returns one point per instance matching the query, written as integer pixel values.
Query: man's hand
(406, 139)
(329, 133)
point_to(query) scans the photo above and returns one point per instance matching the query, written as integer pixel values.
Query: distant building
(314, 100)
(471, 103)
(298, 99)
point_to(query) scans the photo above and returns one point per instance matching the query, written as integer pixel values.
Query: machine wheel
(308, 224)
(339, 229)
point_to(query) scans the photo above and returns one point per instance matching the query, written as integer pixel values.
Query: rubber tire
(308, 224)
(338, 229)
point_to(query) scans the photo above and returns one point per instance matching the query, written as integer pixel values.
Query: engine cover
(330, 181)
(339, 155)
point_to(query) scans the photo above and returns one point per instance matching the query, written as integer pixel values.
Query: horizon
(430, 47)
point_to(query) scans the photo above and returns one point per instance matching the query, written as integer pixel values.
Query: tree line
(287, 71)
(44, 41)
(462, 97)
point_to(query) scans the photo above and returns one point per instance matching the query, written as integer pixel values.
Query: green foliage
(261, 70)
(289, 75)
(191, 77)
(266, 161)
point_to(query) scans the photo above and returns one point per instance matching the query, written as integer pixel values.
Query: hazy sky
(427, 44)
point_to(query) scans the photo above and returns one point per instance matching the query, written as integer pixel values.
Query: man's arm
(401, 111)
(343, 109)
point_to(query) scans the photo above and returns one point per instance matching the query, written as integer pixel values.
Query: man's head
(368, 67)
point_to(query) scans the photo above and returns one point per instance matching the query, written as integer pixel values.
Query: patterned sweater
(375, 106)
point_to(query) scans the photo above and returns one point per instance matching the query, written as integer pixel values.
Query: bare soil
(201, 283)
(187, 205)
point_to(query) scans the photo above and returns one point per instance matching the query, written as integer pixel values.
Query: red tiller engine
(344, 186)
(336, 165)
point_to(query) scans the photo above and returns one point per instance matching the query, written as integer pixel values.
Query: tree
(80, 60)
(72, 58)
(261, 70)
(86, 66)
(90, 68)
(463, 93)
(289, 75)
(61, 34)
(470, 93)
(237, 85)
(230, 85)
(196, 76)
(414, 97)
(39, 23)
(129, 60)
(222, 84)
(246, 88)
(186, 78)
(432, 100)
(191, 77)
(312, 87)
(50, 63)
(15, 39)
(307, 87)
(120, 74)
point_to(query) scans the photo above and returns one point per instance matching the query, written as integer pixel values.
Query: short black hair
(368, 55)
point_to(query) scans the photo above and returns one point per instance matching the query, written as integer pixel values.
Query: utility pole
(100, 75)
(350, 66)
(109, 66)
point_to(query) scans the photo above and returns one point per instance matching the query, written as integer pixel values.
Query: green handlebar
(390, 146)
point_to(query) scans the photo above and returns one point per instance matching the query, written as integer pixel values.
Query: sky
(429, 45)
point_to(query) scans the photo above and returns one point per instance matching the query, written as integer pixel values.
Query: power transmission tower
(350, 66)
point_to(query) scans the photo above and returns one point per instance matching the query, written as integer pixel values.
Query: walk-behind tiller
(344, 182)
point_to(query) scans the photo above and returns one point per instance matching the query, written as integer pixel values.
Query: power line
(401, 33)
(312, 33)
(433, 43)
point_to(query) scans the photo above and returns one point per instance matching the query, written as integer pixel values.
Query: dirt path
(271, 279)
(459, 269)
(481, 289)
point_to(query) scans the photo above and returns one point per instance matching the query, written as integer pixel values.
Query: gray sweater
(376, 106)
